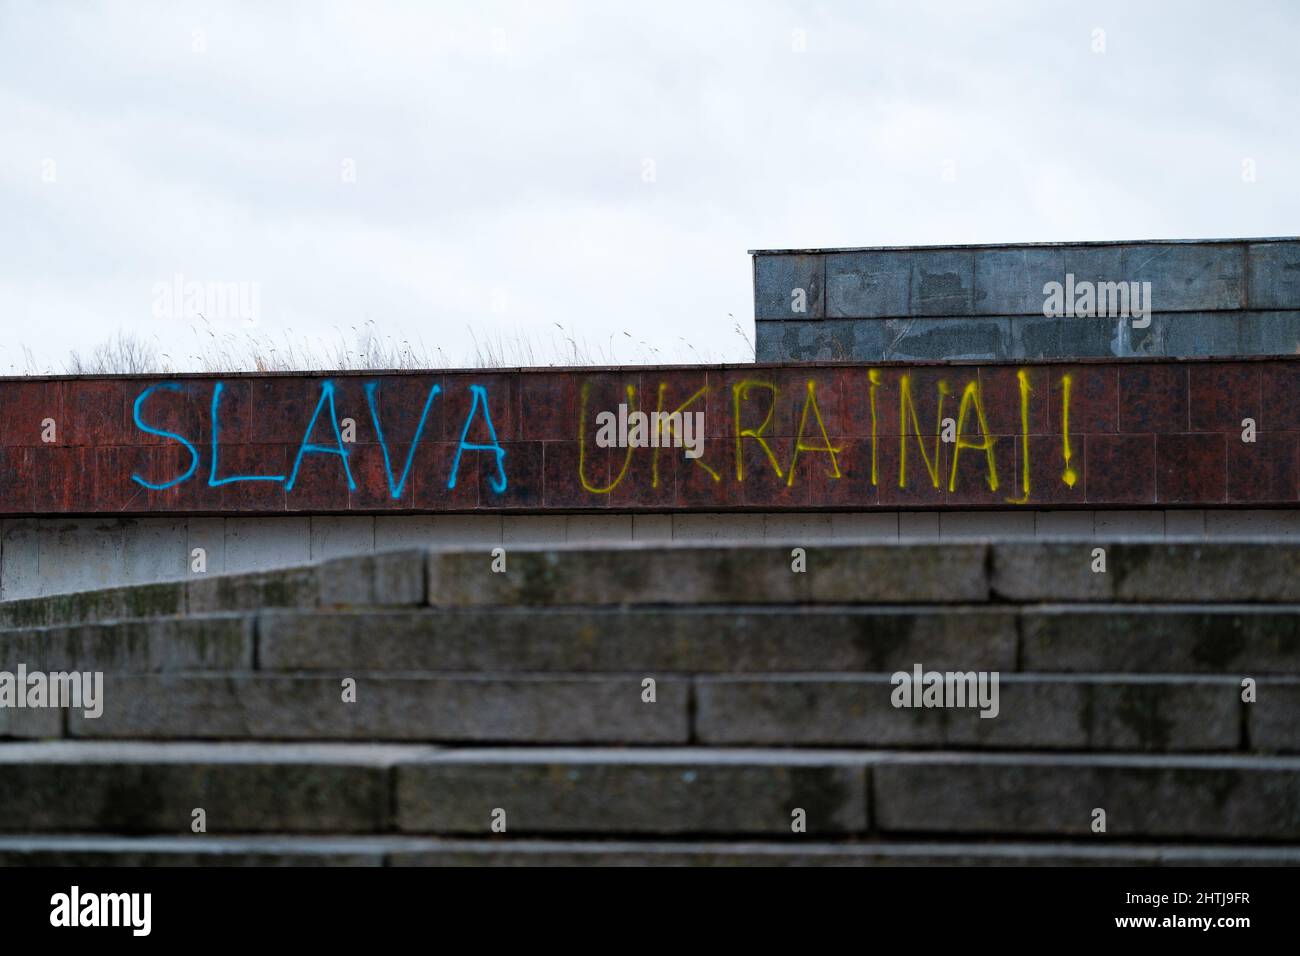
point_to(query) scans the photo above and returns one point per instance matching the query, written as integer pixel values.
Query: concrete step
(684, 640)
(155, 788)
(1054, 712)
(214, 642)
(701, 790)
(1032, 712)
(99, 787)
(907, 572)
(85, 850)
(1226, 639)
(1076, 638)
(371, 580)
(523, 709)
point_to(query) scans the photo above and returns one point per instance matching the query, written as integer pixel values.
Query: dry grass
(366, 347)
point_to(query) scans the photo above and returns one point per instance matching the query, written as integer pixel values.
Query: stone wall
(1150, 433)
(1209, 298)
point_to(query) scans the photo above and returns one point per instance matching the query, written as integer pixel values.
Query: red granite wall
(853, 437)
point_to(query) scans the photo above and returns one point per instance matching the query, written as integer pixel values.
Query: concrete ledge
(643, 641)
(288, 850)
(1155, 796)
(1034, 712)
(711, 575)
(154, 787)
(634, 791)
(524, 709)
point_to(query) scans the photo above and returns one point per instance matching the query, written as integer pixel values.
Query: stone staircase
(520, 696)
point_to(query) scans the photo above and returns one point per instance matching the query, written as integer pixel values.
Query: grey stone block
(864, 285)
(259, 544)
(1247, 523)
(866, 526)
(1093, 264)
(1153, 714)
(777, 277)
(470, 709)
(717, 527)
(1210, 572)
(389, 578)
(1274, 275)
(1071, 525)
(652, 528)
(1190, 334)
(30, 723)
(532, 529)
(596, 529)
(335, 535)
(1274, 717)
(893, 573)
(797, 528)
(1270, 333)
(1130, 524)
(632, 791)
(1231, 639)
(918, 526)
(141, 601)
(1050, 571)
(952, 338)
(822, 340)
(1034, 337)
(465, 530)
(1206, 797)
(1010, 281)
(152, 550)
(1039, 338)
(77, 554)
(612, 576)
(395, 532)
(978, 525)
(642, 641)
(20, 570)
(846, 574)
(1189, 276)
(189, 644)
(290, 587)
(153, 787)
(1149, 572)
(943, 282)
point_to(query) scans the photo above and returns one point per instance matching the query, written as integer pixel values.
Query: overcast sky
(604, 166)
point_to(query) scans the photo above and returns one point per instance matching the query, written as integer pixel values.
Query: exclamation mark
(874, 377)
(1070, 476)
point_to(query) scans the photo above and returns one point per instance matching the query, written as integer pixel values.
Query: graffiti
(754, 403)
(326, 405)
(971, 432)
(1070, 476)
(395, 488)
(835, 436)
(906, 405)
